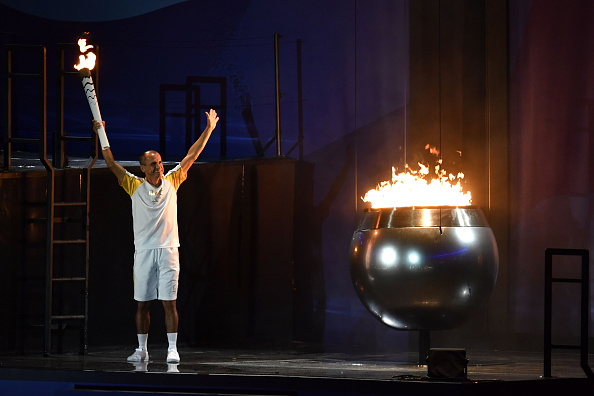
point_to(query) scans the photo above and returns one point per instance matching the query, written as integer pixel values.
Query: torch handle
(101, 131)
(103, 138)
(89, 89)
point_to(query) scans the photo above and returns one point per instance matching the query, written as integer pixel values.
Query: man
(156, 241)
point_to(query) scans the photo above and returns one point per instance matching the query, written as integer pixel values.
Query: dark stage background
(265, 240)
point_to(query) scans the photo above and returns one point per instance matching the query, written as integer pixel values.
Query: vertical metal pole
(84, 330)
(196, 105)
(585, 314)
(58, 158)
(189, 116)
(424, 346)
(43, 110)
(277, 95)
(547, 313)
(49, 263)
(223, 116)
(300, 100)
(8, 136)
(162, 121)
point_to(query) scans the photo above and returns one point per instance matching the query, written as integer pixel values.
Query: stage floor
(300, 372)
(482, 365)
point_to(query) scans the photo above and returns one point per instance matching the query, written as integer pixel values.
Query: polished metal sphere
(423, 268)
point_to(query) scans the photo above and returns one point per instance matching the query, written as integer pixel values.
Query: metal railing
(584, 281)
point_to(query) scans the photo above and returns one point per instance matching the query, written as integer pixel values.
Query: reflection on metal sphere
(423, 268)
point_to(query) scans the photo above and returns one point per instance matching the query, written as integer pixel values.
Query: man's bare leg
(171, 319)
(171, 323)
(143, 322)
(143, 317)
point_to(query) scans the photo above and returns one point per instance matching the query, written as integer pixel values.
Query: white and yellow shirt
(154, 209)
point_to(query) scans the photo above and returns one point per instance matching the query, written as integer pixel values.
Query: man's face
(152, 166)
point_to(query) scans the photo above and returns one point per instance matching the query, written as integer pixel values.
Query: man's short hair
(143, 155)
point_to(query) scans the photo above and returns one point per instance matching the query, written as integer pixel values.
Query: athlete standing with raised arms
(156, 240)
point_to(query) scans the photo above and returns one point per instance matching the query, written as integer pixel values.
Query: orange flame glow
(418, 188)
(85, 61)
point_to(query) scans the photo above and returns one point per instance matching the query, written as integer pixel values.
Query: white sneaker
(172, 356)
(139, 355)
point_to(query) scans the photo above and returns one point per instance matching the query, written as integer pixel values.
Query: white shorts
(156, 274)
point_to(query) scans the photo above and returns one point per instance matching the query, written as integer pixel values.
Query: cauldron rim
(422, 207)
(422, 216)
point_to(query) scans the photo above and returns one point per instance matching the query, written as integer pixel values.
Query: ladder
(67, 219)
(67, 281)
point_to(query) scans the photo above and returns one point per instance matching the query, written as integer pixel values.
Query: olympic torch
(85, 65)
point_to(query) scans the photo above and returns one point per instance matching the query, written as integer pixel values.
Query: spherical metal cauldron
(423, 268)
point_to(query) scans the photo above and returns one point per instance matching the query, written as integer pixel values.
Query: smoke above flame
(85, 61)
(420, 188)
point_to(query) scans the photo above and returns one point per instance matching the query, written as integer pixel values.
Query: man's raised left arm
(198, 146)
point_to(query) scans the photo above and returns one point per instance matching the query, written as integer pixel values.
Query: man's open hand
(211, 119)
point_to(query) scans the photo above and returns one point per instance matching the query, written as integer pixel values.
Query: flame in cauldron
(420, 188)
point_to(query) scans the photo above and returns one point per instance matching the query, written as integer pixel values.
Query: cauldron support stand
(424, 346)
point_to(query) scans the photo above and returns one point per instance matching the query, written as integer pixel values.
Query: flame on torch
(85, 64)
(418, 188)
(85, 61)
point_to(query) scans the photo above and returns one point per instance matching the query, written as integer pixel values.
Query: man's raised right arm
(115, 168)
